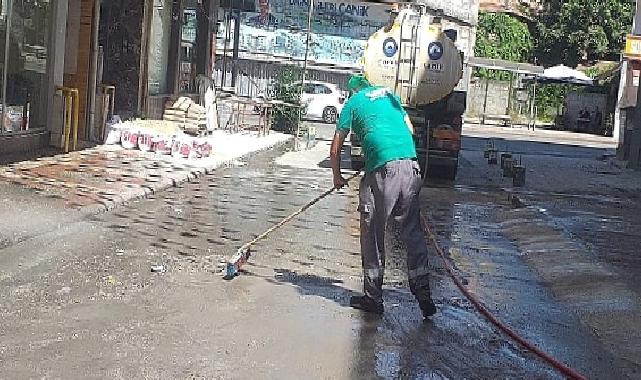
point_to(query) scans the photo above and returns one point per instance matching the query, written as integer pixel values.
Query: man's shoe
(427, 307)
(366, 304)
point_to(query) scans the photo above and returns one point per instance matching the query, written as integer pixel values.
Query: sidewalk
(539, 135)
(100, 178)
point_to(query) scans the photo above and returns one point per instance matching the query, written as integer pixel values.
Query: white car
(324, 101)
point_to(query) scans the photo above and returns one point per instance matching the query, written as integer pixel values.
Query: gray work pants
(392, 191)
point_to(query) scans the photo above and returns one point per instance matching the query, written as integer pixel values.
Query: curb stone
(193, 175)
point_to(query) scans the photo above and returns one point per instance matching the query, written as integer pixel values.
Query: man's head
(356, 83)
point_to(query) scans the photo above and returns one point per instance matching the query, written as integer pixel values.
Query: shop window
(159, 42)
(23, 58)
(242, 5)
(188, 47)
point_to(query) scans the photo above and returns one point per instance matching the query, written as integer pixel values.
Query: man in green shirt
(390, 188)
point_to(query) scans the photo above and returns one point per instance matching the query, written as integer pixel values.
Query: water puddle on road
(195, 228)
(585, 248)
(491, 245)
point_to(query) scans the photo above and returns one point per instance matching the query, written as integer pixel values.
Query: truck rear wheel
(449, 173)
(442, 172)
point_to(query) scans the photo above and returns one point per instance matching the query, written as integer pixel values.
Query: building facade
(149, 50)
(27, 63)
(627, 120)
(273, 33)
(520, 8)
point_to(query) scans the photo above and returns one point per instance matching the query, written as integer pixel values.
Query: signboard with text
(340, 29)
(632, 47)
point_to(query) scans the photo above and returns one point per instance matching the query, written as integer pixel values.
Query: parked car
(323, 101)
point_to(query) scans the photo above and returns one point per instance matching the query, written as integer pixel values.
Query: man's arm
(409, 124)
(335, 158)
(343, 128)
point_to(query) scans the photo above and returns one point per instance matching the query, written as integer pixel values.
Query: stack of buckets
(511, 168)
(178, 146)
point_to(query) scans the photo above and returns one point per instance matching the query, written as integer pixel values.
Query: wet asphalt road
(80, 301)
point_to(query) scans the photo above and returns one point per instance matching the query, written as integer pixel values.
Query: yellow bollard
(71, 98)
(67, 122)
(76, 117)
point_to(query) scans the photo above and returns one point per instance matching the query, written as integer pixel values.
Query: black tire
(444, 173)
(330, 115)
(449, 173)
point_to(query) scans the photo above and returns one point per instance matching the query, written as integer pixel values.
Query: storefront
(45, 45)
(179, 50)
(273, 32)
(24, 64)
(149, 50)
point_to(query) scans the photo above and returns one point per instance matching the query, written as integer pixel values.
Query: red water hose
(564, 369)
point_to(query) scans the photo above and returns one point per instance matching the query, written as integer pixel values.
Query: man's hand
(335, 158)
(340, 182)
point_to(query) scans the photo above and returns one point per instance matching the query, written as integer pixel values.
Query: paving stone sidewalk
(98, 179)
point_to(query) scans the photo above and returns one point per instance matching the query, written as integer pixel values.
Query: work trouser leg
(407, 214)
(417, 253)
(378, 194)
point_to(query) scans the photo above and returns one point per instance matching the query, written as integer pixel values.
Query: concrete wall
(23, 143)
(497, 98)
(634, 157)
(575, 102)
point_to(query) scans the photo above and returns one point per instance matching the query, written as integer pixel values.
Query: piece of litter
(158, 269)
(64, 290)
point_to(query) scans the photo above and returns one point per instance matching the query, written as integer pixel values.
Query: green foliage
(501, 36)
(577, 31)
(549, 99)
(287, 89)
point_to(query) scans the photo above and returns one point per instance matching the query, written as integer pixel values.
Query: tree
(287, 89)
(501, 36)
(582, 31)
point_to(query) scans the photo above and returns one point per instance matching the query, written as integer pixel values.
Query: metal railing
(71, 109)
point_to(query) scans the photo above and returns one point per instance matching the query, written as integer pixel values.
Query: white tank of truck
(415, 58)
(420, 56)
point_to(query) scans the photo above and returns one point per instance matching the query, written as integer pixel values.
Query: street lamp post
(310, 11)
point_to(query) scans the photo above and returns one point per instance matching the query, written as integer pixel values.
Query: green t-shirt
(377, 118)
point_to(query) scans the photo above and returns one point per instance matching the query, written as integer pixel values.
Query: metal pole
(93, 74)
(532, 106)
(310, 10)
(509, 95)
(226, 46)
(487, 85)
(236, 47)
(7, 41)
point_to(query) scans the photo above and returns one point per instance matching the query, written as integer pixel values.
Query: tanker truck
(420, 57)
